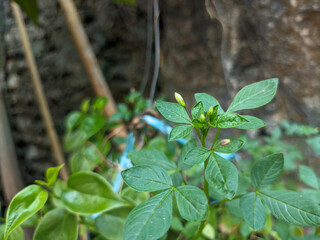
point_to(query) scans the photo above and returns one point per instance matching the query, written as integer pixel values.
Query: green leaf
(57, 224)
(180, 131)
(90, 193)
(230, 120)
(199, 124)
(75, 140)
(30, 7)
(111, 227)
(197, 155)
(26, 203)
(308, 176)
(292, 207)
(222, 175)
(134, 196)
(235, 145)
(192, 203)
(92, 153)
(99, 103)
(91, 124)
(151, 219)
(16, 234)
(78, 163)
(176, 178)
(213, 116)
(52, 175)
(253, 211)
(184, 151)
(173, 112)
(283, 229)
(72, 120)
(197, 110)
(254, 95)
(85, 105)
(176, 224)
(147, 178)
(208, 101)
(151, 157)
(254, 123)
(190, 229)
(208, 232)
(267, 170)
(245, 230)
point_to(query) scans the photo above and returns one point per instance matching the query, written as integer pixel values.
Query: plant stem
(206, 185)
(199, 230)
(197, 130)
(216, 137)
(225, 200)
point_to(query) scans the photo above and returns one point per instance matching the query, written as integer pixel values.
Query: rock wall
(206, 46)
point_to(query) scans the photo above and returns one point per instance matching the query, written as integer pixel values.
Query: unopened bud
(202, 118)
(179, 99)
(210, 112)
(225, 142)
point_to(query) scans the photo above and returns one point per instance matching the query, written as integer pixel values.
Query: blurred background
(210, 46)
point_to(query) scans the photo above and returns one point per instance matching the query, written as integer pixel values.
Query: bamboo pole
(89, 60)
(55, 145)
(87, 55)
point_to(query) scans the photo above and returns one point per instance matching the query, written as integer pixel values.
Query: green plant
(152, 219)
(166, 196)
(290, 138)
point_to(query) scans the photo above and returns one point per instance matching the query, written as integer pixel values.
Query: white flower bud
(179, 99)
(202, 118)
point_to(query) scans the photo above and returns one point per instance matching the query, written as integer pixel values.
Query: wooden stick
(55, 145)
(87, 55)
(89, 60)
(10, 174)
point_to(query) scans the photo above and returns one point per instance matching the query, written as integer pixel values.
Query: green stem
(216, 137)
(225, 200)
(206, 185)
(198, 133)
(197, 130)
(201, 227)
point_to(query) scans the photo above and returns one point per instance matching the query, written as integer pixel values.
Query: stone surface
(206, 46)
